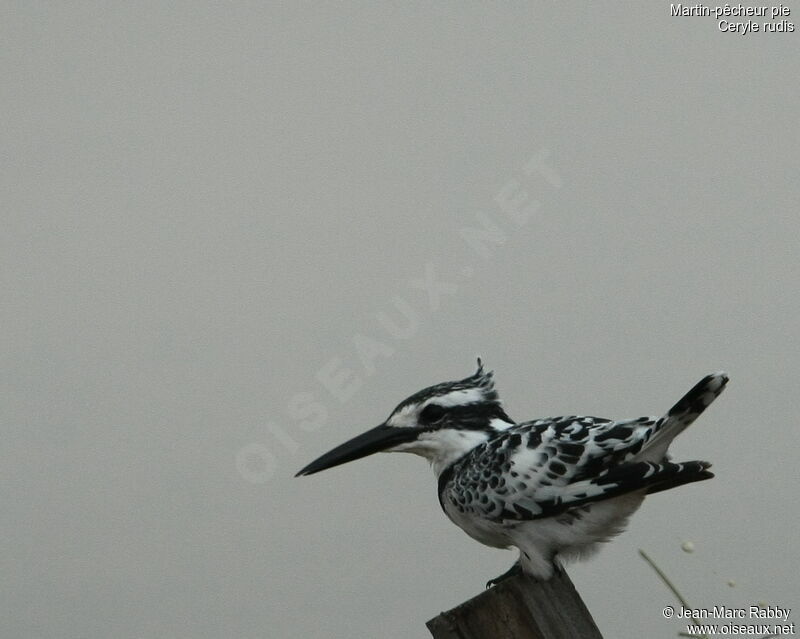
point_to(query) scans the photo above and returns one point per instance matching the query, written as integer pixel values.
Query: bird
(553, 488)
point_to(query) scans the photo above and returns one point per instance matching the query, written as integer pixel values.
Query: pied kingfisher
(553, 488)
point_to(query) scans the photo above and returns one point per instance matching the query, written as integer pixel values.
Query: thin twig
(672, 588)
(675, 592)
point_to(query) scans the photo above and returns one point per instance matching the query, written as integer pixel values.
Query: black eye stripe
(432, 413)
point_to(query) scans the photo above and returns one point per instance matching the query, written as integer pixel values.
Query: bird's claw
(516, 569)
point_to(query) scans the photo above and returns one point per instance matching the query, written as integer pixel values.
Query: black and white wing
(543, 467)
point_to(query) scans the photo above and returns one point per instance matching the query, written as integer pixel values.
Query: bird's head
(441, 423)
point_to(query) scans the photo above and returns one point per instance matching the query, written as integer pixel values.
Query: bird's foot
(516, 569)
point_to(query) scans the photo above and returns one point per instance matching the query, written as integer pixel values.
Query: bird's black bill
(373, 441)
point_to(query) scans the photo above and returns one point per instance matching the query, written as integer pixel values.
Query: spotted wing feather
(543, 467)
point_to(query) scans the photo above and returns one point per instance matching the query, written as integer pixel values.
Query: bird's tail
(683, 413)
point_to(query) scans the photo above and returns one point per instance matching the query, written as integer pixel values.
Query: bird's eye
(431, 414)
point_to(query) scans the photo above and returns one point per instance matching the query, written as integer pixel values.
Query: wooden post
(520, 608)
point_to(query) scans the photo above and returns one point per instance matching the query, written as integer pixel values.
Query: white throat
(442, 447)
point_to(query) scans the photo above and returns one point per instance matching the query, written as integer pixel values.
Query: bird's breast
(486, 531)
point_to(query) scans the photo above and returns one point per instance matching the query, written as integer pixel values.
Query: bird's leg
(516, 569)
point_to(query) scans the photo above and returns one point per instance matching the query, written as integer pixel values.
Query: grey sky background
(235, 235)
